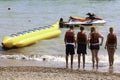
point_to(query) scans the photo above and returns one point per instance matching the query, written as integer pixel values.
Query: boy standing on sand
(111, 45)
(81, 45)
(70, 44)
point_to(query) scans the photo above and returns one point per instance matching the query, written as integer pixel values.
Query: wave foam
(102, 58)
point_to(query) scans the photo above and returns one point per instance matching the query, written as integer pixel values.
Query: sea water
(21, 15)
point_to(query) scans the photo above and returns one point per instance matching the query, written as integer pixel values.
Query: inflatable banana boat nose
(29, 37)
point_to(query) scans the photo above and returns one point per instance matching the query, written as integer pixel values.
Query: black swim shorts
(70, 49)
(81, 49)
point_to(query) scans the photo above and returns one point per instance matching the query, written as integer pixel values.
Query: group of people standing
(81, 41)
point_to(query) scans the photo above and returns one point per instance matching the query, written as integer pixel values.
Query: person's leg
(93, 62)
(111, 60)
(96, 57)
(72, 60)
(109, 56)
(79, 58)
(112, 56)
(67, 60)
(83, 61)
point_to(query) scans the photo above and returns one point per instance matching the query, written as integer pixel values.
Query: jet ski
(85, 21)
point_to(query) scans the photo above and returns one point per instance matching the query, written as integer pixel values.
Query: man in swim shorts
(81, 45)
(70, 45)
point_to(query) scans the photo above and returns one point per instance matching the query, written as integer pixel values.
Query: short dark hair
(81, 28)
(93, 29)
(61, 19)
(88, 13)
(71, 26)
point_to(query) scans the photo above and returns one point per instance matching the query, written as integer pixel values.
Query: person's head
(71, 27)
(89, 14)
(70, 17)
(111, 29)
(81, 28)
(61, 19)
(93, 29)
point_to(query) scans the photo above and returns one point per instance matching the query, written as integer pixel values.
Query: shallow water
(28, 14)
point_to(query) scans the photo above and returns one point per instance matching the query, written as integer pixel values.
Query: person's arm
(65, 38)
(102, 38)
(102, 41)
(86, 37)
(88, 41)
(75, 40)
(106, 43)
(116, 43)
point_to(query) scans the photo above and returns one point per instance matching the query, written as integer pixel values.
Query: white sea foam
(102, 58)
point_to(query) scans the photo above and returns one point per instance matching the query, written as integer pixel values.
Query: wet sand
(48, 73)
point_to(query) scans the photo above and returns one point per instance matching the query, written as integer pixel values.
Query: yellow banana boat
(26, 38)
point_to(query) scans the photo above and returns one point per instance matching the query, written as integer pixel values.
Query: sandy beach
(47, 73)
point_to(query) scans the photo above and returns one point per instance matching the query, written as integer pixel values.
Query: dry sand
(47, 73)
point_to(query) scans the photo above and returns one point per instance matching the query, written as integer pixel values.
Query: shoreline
(49, 73)
(11, 69)
(58, 64)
